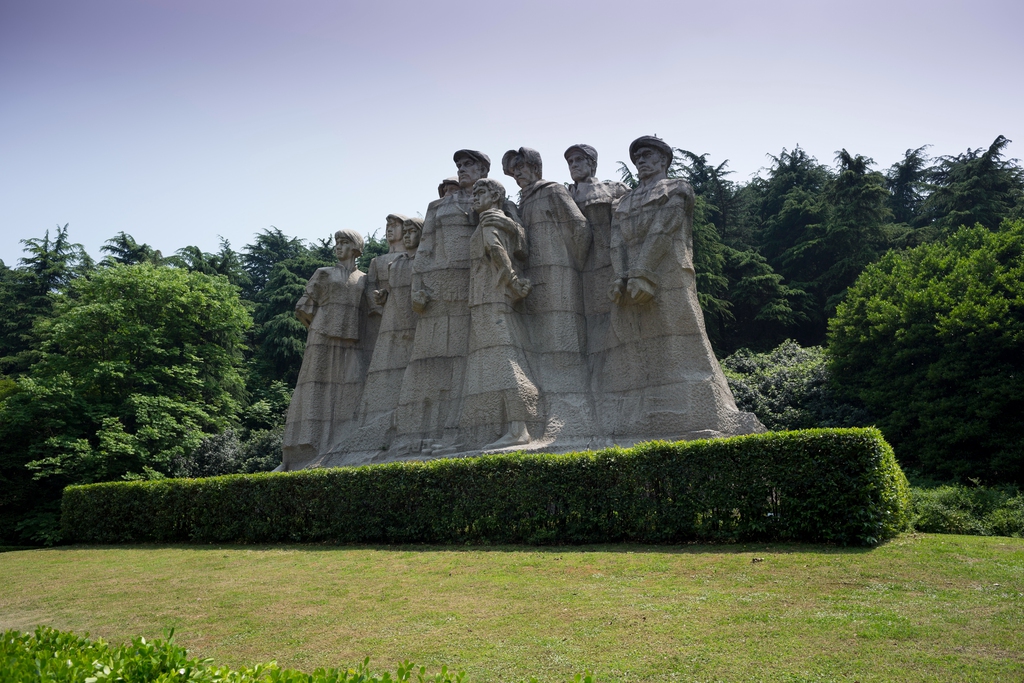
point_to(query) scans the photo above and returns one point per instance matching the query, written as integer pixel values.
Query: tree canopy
(931, 339)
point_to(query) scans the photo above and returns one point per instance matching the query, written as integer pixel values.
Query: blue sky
(178, 121)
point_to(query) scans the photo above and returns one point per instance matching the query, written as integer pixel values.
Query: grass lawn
(920, 608)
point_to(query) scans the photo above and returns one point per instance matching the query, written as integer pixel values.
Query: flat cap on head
(352, 236)
(441, 189)
(409, 222)
(585, 150)
(649, 141)
(524, 155)
(397, 217)
(479, 157)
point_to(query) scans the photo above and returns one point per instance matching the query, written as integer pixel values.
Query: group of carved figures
(567, 322)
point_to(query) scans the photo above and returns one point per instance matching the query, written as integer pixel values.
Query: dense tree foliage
(136, 364)
(790, 387)
(97, 382)
(932, 341)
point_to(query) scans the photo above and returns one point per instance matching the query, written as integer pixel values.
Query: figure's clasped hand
(420, 299)
(617, 289)
(521, 287)
(640, 289)
(380, 296)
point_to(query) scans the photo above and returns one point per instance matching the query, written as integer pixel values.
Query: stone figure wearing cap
(392, 349)
(430, 403)
(377, 271)
(594, 198)
(329, 387)
(500, 396)
(559, 241)
(660, 377)
(448, 186)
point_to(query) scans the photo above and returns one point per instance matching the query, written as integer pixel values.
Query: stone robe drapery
(660, 379)
(595, 200)
(430, 404)
(499, 386)
(329, 387)
(559, 239)
(391, 354)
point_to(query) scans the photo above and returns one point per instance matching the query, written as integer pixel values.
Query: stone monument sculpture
(660, 378)
(559, 240)
(491, 334)
(377, 272)
(430, 405)
(500, 395)
(393, 347)
(334, 309)
(595, 199)
(448, 186)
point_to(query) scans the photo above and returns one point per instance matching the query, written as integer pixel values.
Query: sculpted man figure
(500, 397)
(392, 349)
(330, 381)
(448, 186)
(430, 405)
(377, 274)
(594, 198)
(661, 378)
(559, 239)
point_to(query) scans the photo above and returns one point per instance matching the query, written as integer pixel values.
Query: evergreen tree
(268, 249)
(49, 266)
(857, 231)
(122, 248)
(906, 181)
(978, 186)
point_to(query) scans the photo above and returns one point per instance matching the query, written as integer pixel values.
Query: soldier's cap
(649, 141)
(586, 150)
(446, 182)
(475, 156)
(397, 217)
(523, 154)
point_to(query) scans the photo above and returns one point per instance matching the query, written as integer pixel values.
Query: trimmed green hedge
(828, 485)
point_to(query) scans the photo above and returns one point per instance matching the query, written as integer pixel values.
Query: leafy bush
(932, 341)
(978, 511)
(227, 454)
(51, 655)
(789, 388)
(838, 486)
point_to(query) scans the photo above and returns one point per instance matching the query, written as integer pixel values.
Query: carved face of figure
(393, 231)
(450, 189)
(344, 249)
(525, 174)
(581, 167)
(470, 171)
(650, 162)
(484, 198)
(411, 236)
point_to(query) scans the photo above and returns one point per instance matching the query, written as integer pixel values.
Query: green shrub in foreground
(52, 656)
(829, 485)
(977, 511)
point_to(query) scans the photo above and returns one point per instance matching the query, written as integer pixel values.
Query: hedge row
(829, 485)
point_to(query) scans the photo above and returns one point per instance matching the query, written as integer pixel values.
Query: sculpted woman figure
(499, 397)
(330, 381)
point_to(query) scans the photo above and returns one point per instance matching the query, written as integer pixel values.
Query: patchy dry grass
(921, 608)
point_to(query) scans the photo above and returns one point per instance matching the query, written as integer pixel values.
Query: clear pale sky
(180, 120)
